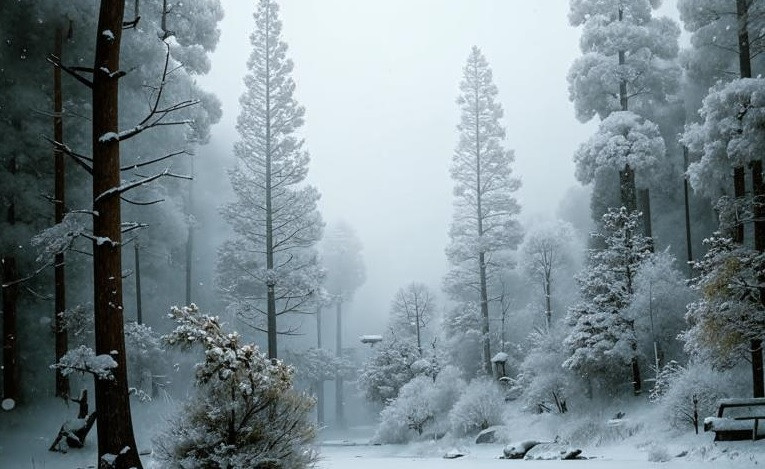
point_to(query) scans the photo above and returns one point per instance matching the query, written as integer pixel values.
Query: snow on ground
(25, 435)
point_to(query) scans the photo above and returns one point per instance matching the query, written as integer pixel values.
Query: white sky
(379, 79)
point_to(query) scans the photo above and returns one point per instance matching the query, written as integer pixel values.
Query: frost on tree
(729, 314)
(730, 134)
(412, 311)
(245, 412)
(603, 338)
(269, 268)
(484, 226)
(628, 64)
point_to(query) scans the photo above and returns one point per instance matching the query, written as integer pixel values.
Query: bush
(421, 408)
(245, 412)
(677, 386)
(480, 406)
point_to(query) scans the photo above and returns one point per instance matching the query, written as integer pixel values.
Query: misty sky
(379, 79)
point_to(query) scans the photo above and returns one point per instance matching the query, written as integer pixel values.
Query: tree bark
(339, 394)
(645, 207)
(758, 190)
(688, 239)
(59, 304)
(271, 311)
(115, 429)
(11, 385)
(627, 188)
(138, 297)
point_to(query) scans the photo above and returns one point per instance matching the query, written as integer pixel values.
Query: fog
(379, 82)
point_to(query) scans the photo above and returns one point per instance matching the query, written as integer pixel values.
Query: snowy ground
(25, 437)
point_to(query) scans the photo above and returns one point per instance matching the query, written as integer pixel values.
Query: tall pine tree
(484, 224)
(270, 268)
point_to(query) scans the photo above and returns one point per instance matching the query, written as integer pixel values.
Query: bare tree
(411, 311)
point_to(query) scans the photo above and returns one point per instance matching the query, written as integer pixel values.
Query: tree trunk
(627, 188)
(59, 304)
(271, 311)
(548, 301)
(645, 207)
(320, 384)
(688, 239)
(115, 429)
(339, 397)
(485, 316)
(11, 385)
(417, 325)
(138, 298)
(758, 191)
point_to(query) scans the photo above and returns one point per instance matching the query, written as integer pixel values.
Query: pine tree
(484, 224)
(603, 336)
(270, 268)
(245, 412)
(627, 67)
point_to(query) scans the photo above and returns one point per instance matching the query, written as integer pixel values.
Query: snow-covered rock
(453, 453)
(497, 433)
(552, 451)
(518, 449)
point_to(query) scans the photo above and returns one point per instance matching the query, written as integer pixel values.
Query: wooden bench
(742, 427)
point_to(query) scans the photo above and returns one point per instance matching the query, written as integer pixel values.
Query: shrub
(421, 407)
(480, 406)
(245, 412)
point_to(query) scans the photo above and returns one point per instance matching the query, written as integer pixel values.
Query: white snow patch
(108, 136)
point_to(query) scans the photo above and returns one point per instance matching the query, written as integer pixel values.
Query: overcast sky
(379, 79)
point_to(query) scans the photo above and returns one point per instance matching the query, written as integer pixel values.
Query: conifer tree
(484, 226)
(270, 269)
(603, 336)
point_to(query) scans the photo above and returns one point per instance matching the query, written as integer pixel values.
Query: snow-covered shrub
(545, 385)
(146, 363)
(245, 412)
(480, 406)
(679, 385)
(384, 374)
(658, 453)
(421, 407)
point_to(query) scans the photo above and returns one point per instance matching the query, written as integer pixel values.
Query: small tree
(544, 253)
(603, 336)
(411, 312)
(245, 412)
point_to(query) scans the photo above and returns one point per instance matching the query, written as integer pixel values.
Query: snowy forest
(415, 233)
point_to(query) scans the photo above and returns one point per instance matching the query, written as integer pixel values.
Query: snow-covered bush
(480, 406)
(679, 385)
(422, 407)
(545, 385)
(147, 366)
(245, 412)
(384, 374)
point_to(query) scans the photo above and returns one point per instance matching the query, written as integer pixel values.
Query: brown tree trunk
(627, 189)
(758, 190)
(61, 342)
(115, 429)
(11, 385)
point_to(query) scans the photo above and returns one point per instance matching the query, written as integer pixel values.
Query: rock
(453, 454)
(497, 433)
(518, 449)
(552, 451)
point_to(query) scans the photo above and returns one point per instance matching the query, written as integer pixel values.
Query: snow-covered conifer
(270, 269)
(484, 225)
(245, 412)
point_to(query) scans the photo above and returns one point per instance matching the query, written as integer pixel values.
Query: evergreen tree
(270, 268)
(628, 67)
(603, 336)
(245, 412)
(484, 226)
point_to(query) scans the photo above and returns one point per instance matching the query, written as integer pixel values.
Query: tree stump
(74, 431)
